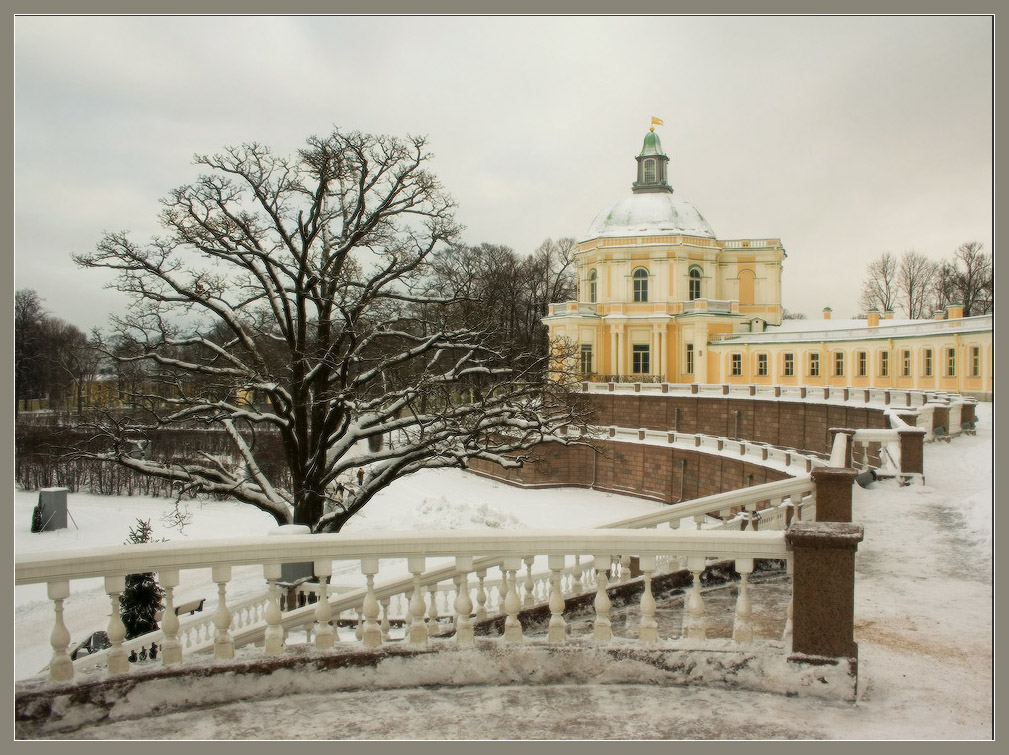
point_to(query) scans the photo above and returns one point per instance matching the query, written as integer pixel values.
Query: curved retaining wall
(803, 425)
(662, 473)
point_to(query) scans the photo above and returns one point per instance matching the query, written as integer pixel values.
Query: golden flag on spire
(656, 121)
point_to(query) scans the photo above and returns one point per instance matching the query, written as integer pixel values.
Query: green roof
(652, 145)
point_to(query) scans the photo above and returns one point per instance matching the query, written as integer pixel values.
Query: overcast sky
(844, 136)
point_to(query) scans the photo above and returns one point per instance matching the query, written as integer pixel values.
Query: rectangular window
(950, 362)
(863, 364)
(975, 361)
(839, 363)
(928, 363)
(814, 365)
(884, 364)
(737, 364)
(640, 364)
(789, 364)
(586, 359)
(762, 364)
(690, 359)
(905, 363)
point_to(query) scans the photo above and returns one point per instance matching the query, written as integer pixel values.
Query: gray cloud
(844, 136)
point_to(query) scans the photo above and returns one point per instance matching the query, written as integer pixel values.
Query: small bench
(191, 607)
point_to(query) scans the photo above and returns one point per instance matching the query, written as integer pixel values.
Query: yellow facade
(661, 298)
(650, 299)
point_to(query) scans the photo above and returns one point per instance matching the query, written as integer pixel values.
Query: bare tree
(967, 280)
(291, 296)
(789, 315)
(915, 279)
(879, 288)
(975, 280)
(508, 294)
(29, 346)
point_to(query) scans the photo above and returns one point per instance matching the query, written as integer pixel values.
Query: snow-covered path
(924, 600)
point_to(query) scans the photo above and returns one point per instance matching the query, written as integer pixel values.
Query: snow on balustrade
(469, 551)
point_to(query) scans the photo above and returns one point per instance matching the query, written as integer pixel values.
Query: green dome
(652, 145)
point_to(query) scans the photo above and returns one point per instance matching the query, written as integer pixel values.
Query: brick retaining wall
(789, 424)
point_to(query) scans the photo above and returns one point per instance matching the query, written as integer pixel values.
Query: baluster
(698, 521)
(625, 568)
(118, 662)
(224, 645)
(648, 630)
(752, 511)
(558, 630)
(512, 604)
(61, 668)
(432, 611)
(325, 634)
(576, 586)
(601, 629)
(385, 618)
(418, 631)
(372, 631)
(742, 629)
(694, 621)
(674, 524)
(481, 595)
(171, 650)
(359, 627)
(274, 642)
(463, 604)
(786, 635)
(528, 601)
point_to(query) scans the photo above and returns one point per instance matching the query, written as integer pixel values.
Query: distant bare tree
(967, 280)
(915, 279)
(879, 288)
(788, 315)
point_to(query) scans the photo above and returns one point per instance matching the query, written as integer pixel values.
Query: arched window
(640, 277)
(695, 283)
(592, 286)
(648, 173)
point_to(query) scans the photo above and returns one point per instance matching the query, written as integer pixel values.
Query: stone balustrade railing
(469, 552)
(847, 394)
(773, 505)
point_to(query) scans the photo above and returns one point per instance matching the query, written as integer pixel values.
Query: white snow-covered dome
(650, 214)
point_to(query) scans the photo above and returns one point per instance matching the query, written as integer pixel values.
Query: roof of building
(652, 145)
(653, 214)
(652, 209)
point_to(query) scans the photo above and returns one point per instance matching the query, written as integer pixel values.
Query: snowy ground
(923, 605)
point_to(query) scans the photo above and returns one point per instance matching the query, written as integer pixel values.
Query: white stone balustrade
(470, 550)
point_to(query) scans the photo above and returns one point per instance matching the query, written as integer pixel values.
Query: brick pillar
(967, 413)
(940, 418)
(833, 493)
(753, 390)
(725, 390)
(847, 451)
(693, 387)
(823, 588)
(912, 443)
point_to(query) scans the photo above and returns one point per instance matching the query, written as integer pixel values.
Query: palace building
(663, 299)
